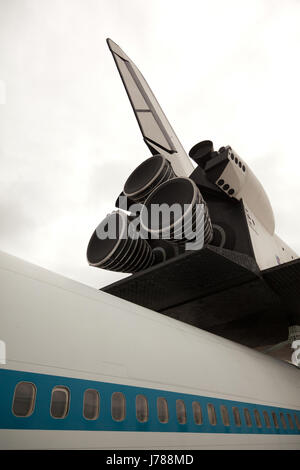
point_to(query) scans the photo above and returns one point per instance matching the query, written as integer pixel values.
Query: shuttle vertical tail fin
(155, 127)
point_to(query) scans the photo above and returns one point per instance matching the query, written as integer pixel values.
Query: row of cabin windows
(25, 395)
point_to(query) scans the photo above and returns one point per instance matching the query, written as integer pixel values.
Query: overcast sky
(227, 71)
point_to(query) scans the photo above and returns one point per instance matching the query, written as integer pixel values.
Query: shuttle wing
(155, 127)
(220, 291)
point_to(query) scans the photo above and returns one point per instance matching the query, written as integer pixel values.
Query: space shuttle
(242, 281)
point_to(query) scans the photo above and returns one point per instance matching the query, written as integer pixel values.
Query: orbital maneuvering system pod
(197, 234)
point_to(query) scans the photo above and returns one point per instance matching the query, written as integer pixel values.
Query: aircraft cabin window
(267, 419)
(225, 415)
(247, 417)
(60, 401)
(24, 399)
(212, 414)
(297, 421)
(197, 412)
(180, 412)
(283, 422)
(290, 420)
(91, 404)
(142, 409)
(162, 410)
(257, 418)
(236, 416)
(118, 406)
(275, 420)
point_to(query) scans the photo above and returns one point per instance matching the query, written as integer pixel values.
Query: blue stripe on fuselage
(41, 418)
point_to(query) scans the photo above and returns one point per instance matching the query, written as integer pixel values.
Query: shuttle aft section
(217, 262)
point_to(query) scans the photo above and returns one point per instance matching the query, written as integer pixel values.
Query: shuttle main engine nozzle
(148, 176)
(116, 246)
(176, 211)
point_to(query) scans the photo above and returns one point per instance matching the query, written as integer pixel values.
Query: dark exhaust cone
(163, 250)
(202, 152)
(113, 246)
(187, 221)
(147, 176)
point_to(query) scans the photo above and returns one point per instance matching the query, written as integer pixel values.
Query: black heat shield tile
(185, 278)
(179, 286)
(284, 279)
(220, 291)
